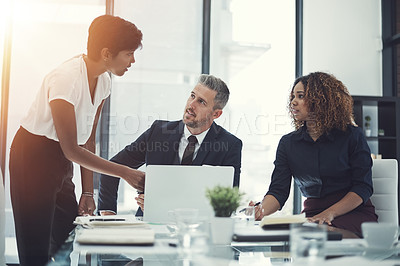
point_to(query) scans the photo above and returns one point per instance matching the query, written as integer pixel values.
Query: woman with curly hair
(327, 156)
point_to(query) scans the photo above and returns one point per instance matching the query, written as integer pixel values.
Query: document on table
(113, 230)
(115, 236)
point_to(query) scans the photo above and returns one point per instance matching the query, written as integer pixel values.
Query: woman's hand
(326, 216)
(64, 118)
(140, 201)
(105, 213)
(135, 178)
(258, 211)
(348, 203)
(86, 205)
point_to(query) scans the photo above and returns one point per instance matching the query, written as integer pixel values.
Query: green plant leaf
(224, 200)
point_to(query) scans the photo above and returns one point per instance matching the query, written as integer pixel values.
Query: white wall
(343, 37)
(253, 50)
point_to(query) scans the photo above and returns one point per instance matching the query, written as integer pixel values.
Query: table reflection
(166, 251)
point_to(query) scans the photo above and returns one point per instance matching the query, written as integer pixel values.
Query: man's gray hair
(218, 85)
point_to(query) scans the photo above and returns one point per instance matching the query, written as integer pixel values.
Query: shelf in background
(384, 112)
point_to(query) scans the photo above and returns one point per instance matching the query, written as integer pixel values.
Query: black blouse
(334, 162)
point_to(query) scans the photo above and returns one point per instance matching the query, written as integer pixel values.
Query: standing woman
(327, 156)
(59, 129)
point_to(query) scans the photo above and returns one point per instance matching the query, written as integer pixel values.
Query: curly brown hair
(328, 99)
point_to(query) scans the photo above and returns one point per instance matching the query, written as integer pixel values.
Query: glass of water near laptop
(190, 229)
(247, 214)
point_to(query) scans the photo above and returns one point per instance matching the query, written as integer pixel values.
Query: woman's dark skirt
(350, 221)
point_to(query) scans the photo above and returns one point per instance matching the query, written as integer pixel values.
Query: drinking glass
(307, 243)
(191, 230)
(182, 219)
(249, 214)
(246, 214)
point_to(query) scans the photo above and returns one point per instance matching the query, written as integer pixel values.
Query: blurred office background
(257, 46)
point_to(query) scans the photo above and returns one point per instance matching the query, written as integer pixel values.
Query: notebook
(109, 221)
(257, 234)
(169, 187)
(282, 222)
(113, 230)
(116, 236)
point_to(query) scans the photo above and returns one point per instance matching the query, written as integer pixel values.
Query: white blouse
(67, 82)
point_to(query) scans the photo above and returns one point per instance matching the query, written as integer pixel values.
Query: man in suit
(171, 142)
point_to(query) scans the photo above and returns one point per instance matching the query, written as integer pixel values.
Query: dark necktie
(187, 157)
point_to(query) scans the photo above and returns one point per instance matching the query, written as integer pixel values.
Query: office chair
(385, 196)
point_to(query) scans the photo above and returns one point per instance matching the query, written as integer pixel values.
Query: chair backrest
(385, 196)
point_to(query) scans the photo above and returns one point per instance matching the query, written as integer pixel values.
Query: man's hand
(86, 205)
(135, 178)
(140, 201)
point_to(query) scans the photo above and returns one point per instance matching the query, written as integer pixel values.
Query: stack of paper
(113, 229)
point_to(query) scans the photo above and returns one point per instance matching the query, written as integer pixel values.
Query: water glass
(191, 230)
(186, 218)
(181, 219)
(307, 243)
(198, 237)
(247, 214)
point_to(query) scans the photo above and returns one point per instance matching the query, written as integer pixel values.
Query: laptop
(169, 187)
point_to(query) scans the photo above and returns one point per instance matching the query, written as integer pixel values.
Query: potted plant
(224, 201)
(367, 126)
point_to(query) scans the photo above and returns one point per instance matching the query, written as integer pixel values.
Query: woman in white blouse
(59, 129)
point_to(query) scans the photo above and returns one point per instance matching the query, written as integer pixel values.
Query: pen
(104, 220)
(257, 203)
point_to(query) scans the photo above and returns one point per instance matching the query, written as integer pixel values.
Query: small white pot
(368, 132)
(222, 230)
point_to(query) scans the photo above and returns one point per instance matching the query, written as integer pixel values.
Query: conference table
(166, 251)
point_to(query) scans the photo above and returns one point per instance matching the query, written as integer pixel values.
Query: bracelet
(87, 194)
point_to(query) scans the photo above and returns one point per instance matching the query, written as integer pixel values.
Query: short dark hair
(114, 33)
(218, 85)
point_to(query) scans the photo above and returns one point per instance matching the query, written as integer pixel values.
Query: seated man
(166, 142)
